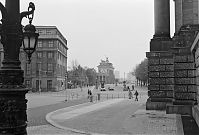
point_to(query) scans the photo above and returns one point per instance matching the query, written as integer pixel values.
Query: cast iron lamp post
(13, 117)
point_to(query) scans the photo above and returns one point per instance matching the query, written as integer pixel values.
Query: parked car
(110, 89)
(103, 89)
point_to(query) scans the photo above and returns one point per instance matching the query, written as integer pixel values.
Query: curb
(62, 127)
(70, 129)
(179, 125)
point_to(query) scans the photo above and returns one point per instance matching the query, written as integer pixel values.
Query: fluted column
(162, 18)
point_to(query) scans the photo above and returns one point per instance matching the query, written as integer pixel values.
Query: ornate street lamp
(13, 117)
(30, 38)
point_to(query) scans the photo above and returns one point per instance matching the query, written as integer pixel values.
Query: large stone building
(173, 62)
(48, 67)
(106, 72)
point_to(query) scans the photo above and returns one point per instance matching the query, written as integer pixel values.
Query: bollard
(98, 96)
(112, 96)
(91, 98)
(107, 96)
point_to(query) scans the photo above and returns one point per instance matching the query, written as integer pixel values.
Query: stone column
(162, 18)
(160, 60)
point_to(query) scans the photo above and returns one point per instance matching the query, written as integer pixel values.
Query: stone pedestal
(161, 80)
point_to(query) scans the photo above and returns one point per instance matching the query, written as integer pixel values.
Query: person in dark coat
(136, 95)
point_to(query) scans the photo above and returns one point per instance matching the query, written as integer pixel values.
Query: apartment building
(48, 67)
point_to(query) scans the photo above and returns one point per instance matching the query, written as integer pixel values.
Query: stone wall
(184, 72)
(197, 72)
(161, 79)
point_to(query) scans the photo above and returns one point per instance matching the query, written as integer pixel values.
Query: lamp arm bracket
(3, 12)
(30, 11)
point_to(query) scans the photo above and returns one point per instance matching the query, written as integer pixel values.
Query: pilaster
(161, 79)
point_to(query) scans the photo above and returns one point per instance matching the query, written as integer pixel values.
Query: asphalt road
(36, 116)
(109, 120)
(38, 107)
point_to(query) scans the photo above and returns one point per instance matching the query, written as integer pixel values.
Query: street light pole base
(13, 105)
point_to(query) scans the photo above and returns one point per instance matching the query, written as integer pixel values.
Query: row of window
(46, 32)
(62, 48)
(49, 44)
(41, 55)
(50, 55)
(38, 83)
(61, 70)
(39, 68)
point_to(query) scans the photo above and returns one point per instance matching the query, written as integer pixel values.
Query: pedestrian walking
(136, 95)
(91, 97)
(89, 94)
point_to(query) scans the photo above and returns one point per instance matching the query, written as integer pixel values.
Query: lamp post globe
(30, 39)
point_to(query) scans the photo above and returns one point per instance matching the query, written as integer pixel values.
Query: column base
(155, 105)
(179, 109)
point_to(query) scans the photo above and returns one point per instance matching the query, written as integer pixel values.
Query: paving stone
(191, 73)
(166, 74)
(157, 94)
(187, 96)
(153, 74)
(185, 80)
(152, 54)
(156, 68)
(180, 58)
(180, 73)
(169, 68)
(184, 66)
(166, 87)
(153, 87)
(166, 61)
(169, 81)
(153, 61)
(169, 94)
(157, 81)
(192, 88)
(180, 88)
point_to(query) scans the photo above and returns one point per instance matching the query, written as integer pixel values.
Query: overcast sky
(95, 29)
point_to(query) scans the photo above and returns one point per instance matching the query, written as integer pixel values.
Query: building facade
(117, 74)
(105, 72)
(48, 67)
(171, 65)
(186, 12)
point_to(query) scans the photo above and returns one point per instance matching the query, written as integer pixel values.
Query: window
(48, 32)
(38, 68)
(58, 56)
(27, 83)
(49, 84)
(27, 69)
(39, 54)
(40, 32)
(50, 67)
(39, 44)
(50, 43)
(50, 55)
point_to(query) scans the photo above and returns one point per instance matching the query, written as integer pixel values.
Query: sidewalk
(141, 122)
